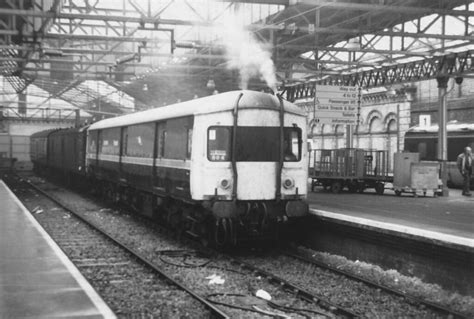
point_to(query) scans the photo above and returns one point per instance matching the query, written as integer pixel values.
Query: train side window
(176, 137)
(124, 141)
(160, 140)
(100, 141)
(110, 141)
(92, 147)
(140, 139)
(422, 149)
(189, 143)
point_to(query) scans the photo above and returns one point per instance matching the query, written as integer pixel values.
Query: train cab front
(253, 178)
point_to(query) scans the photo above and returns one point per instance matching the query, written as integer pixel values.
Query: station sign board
(336, 104)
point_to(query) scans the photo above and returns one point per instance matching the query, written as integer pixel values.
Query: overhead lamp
(185, 45)
(211, 85)
(126, 58)
(391, 91)
(51, 52)
(353, 43)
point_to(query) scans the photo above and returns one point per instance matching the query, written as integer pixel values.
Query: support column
(398, 127)
(349, 136)
(77, 123)
(22, 103)
(442, 131)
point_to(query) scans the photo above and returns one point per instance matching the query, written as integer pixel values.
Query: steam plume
(247, 55)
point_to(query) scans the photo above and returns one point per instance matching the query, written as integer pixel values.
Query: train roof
(451, 127)
(206, 105)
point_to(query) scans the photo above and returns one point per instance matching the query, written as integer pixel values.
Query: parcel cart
(351, 168)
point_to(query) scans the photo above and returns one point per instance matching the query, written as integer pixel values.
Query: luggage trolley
(355, 169)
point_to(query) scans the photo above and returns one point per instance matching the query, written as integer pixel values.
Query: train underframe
(214, 222)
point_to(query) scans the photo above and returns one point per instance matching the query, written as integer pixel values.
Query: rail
(215, 311)
(298, 291)
(417, 300)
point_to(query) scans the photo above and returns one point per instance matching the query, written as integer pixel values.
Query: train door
(122, 152)
(159, 172)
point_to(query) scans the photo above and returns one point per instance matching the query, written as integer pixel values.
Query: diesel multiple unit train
(224, 168)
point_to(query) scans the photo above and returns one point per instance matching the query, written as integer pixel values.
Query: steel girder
(452, 65)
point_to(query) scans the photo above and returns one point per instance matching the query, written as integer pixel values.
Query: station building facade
(386, 115)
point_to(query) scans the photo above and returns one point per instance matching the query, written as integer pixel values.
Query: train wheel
(336, 187)
(379, 188)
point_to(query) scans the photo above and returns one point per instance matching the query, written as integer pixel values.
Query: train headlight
(288, 183)
(224, 183)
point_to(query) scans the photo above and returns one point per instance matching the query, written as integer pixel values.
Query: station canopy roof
(131, 54)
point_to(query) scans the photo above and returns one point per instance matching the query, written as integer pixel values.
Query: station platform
(37, 280)
(445, 220)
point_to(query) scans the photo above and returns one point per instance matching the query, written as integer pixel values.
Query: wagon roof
(44, 133)
(210, 104)
(68, 130)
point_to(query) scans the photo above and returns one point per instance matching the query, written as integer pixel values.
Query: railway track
(284, 282)
(125, 261)
(234, 265)
(413, 299)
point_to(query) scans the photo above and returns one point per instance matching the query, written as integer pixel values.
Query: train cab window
(140, 140)
(254, 144)
(292, 144)
(218, 148)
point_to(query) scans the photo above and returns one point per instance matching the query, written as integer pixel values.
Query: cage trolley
(355, 169)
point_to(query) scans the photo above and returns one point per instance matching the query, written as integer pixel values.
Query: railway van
(424, 140)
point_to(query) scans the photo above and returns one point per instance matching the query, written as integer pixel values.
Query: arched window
(392, 126)
(375, 126)
(339, 130)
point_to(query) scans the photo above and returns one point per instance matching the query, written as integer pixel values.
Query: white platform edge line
(83, 283)
(398, 228)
